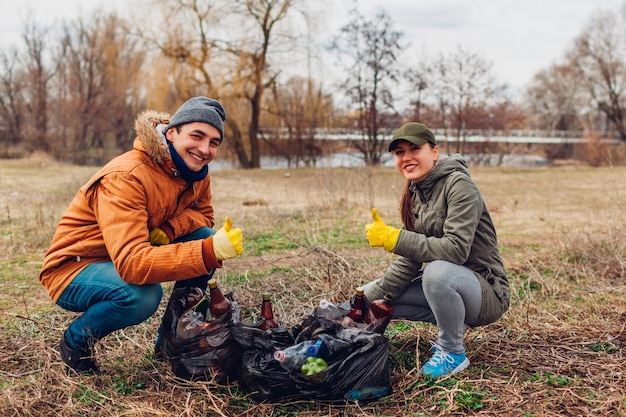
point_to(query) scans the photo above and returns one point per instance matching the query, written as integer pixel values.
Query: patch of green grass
(279, 270)
(123, 386)
(470, 399)
(87, 395)
(402, 359)
(239, 279)
(398, 327)
(603, 347)
(549, 379)
(267, 242)
(466, 396)
(294, 410)
(524, 284)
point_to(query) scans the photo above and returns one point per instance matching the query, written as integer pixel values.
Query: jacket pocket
(496, 297)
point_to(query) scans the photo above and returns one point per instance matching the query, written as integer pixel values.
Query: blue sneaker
(443, 363)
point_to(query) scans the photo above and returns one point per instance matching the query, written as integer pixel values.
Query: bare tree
(81, 86)
(419, 78)
(462, 82)
(254, 73)
(551, 99)
(123, 60)
(597, 60)
(97, 89)
(38, 76)
(12, 84)
(300, 109)
(231, 65)
(372, 48)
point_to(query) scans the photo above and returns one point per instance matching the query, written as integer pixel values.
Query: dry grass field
(559, 351)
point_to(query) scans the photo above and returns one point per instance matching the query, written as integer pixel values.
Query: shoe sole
(462, 366)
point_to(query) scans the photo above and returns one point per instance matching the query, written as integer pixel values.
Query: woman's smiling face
(415, 162)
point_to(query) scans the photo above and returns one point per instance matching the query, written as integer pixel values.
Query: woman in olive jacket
(449, 272)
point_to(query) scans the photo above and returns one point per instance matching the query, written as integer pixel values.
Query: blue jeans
(109, 303)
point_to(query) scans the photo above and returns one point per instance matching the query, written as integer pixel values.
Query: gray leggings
(448, 295)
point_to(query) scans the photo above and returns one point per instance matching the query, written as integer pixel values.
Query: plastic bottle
(293, 357)
(267, 315)
(329, 347)
(379, 314)
(357, 314)
(190, 324)
(328, 310)
(202, 306)
(319, 349)
(219, 304)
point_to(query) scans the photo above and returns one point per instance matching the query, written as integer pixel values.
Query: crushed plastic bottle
(328, 347)
(328, 310)
(293, 357)
(319, 349)
(190, 324)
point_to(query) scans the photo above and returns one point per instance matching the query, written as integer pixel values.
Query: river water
(349, 160)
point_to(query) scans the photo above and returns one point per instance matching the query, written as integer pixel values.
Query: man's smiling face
(196, 143)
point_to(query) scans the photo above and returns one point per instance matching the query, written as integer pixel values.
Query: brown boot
(78, 361)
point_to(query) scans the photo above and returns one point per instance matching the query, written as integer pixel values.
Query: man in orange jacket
(145, 218)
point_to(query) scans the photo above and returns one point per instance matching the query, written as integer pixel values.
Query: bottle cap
(266, 296)
(359, 290)
(279, 355)
(313, 350)
(212, 283)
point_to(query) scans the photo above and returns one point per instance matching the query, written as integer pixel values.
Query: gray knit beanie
(200, 109)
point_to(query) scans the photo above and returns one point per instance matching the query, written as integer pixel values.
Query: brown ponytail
(405, 208)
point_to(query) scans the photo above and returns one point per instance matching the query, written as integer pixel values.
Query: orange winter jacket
(112, 214)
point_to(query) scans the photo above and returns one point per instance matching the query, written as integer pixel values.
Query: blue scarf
(183, 170)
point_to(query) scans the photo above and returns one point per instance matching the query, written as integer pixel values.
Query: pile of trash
(337, 352)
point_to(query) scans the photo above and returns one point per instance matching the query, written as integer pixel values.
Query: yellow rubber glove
(227, 242)
(379, 234)
(158, 237)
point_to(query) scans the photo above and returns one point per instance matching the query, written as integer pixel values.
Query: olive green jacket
(451, 223)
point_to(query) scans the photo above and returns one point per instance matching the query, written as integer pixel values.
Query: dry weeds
(559, 351)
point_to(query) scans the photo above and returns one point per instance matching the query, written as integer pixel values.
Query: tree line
(74, 92)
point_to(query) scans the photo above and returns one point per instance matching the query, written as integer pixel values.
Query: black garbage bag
(199, 347)
(259, 374)
(356, 358)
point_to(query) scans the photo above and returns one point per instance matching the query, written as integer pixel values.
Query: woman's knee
(436, 273)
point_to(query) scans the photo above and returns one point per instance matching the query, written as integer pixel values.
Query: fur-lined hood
(147, 127)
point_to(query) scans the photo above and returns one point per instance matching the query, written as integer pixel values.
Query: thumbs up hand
(227, 242)
(379, 234)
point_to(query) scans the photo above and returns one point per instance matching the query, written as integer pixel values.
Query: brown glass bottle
(219, 304)
(379, 314)
(267, 315)
(357, 314)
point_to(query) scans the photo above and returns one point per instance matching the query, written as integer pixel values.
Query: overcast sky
(520, 37)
